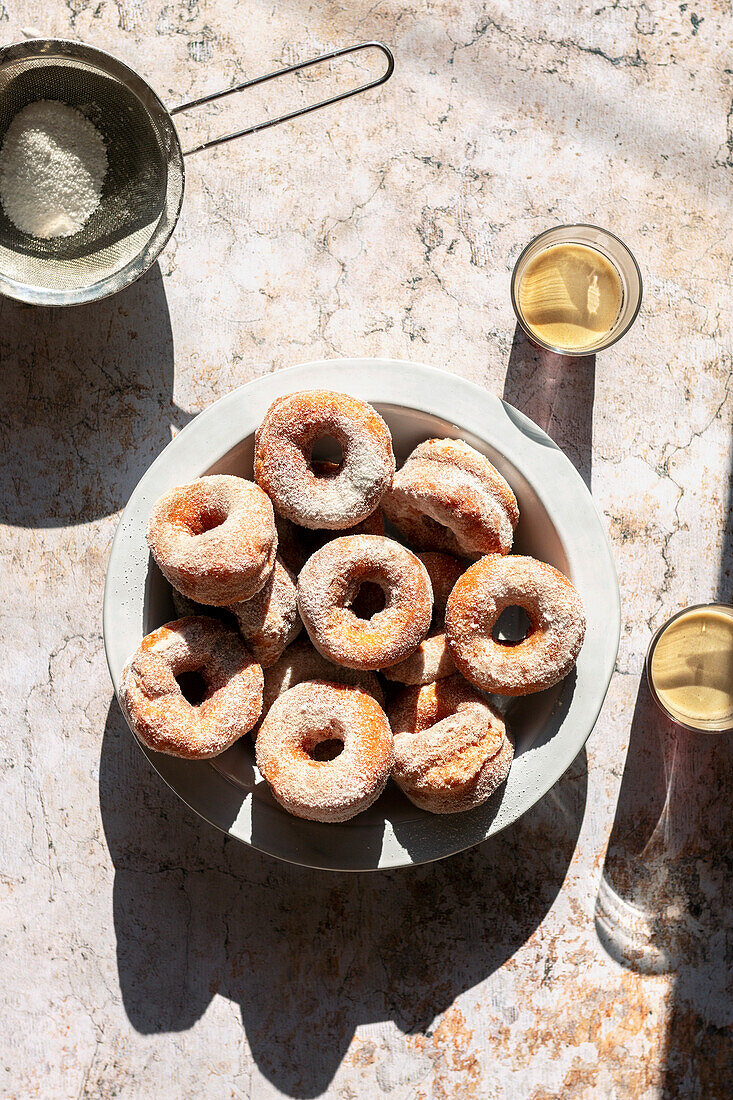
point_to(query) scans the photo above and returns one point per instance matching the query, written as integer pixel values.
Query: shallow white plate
(558, 523)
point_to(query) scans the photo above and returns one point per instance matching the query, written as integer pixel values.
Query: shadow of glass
(92, 390)
(557, 392)
(665, 903)
(724, 592)
(310, 956)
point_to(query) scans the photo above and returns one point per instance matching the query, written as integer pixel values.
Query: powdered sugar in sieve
(52, 167)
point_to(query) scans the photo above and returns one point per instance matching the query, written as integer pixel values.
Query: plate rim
(397, 376)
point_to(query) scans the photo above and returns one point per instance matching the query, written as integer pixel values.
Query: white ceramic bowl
(558, 523)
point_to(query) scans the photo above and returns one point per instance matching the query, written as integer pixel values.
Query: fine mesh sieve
(143, 189)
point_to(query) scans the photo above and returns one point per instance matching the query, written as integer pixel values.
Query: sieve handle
(283, 72)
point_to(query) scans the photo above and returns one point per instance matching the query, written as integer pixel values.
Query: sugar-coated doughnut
(556, 632)
(155, 706)
(183, 607)
(300, 662)
(443, 570)
(331, 496)
(270, 621)
(328, 585)
(452, 750)
(214, 539)
(296, 544)
(432, 659)
(448, 496)
(317, 713)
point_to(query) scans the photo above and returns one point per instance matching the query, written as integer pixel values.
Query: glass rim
(591, 349)
(714, 730)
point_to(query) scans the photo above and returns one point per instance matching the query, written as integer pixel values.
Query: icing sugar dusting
(214, 539)
(452, 750)
(269, 621)
(448, 496)
(300, 662)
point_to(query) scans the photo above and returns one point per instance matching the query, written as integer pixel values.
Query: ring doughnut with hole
(329, 583)
(318, 495)
(214, 539)
(557, 625)
(155, 706)
(304, 718)
(452, 750)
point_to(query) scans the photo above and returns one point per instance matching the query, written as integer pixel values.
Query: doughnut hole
(512, 626)
(368, 600)
(327, 750)
(194, 688)
(208, 518)
(322, 745)
(326, 456)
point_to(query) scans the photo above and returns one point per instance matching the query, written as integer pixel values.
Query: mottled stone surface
(144, 955)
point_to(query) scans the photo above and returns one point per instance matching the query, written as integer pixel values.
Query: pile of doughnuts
(349, 655)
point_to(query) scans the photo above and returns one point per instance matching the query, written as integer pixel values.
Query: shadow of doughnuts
(365, 832)
(196, 913)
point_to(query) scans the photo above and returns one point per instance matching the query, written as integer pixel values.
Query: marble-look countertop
(587, 951)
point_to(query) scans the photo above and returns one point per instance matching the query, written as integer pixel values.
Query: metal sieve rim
(51, 49)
